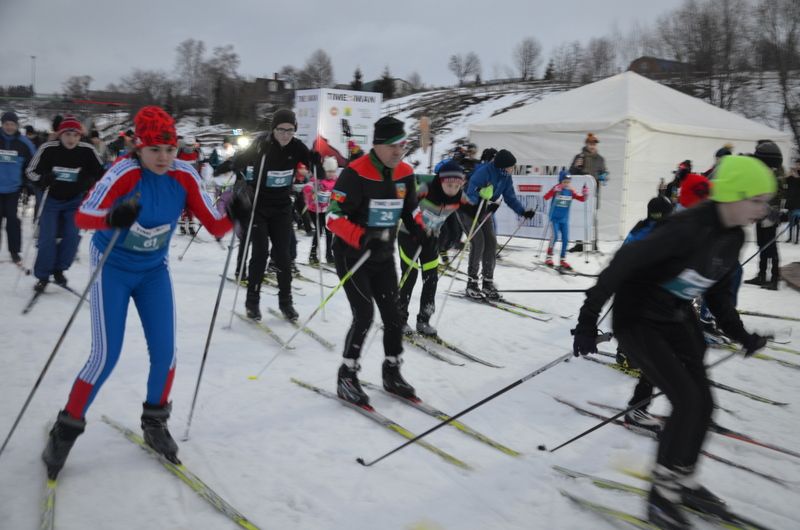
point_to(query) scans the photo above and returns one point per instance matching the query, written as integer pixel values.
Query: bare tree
(566, 61)
(472, 65)
(290, 74)
(415, 81)
(456, 65)
(77, 86)
(318, 71)
(189, 64)
(528, 57)
(151, 86)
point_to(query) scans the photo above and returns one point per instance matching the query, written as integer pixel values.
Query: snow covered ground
(285, 457)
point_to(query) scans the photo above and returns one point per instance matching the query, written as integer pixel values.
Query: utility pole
(33, 75)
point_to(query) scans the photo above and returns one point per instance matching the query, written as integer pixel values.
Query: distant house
(401, 86)
(274, 90)
(656, 68)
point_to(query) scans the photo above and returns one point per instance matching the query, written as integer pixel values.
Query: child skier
(562, 195)
(142, 197)
(654, 281)
(317, 196)
(66, 167)
(437, 200)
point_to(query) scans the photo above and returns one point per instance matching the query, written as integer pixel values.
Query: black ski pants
(670, 355)
(428, 261)
(765, 234)
(8, 211)
(373, 281)
(270, 224)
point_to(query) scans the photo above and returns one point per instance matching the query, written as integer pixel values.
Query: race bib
(323, 198)
(562, 201)
(279, 179)
(384, 212)
(143, 239)
(248, 173)
(66, 174)
(8, 157)
(433, 220)
(688, 285)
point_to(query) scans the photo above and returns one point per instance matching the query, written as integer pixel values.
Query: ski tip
(542, 447)
(252, 377)
(361, 461)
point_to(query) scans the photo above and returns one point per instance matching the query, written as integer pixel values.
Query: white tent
(645, 130)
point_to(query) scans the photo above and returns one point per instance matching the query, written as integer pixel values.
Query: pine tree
(549, 74)
(357, 83)
(385, 85)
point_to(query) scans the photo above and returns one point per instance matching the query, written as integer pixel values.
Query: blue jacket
(640, 231)
(500, 180)
(15, 153)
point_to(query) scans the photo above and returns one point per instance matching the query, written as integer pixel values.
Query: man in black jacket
(271, 160)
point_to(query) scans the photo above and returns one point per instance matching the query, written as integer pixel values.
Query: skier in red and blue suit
(141, 196)
(562, 195)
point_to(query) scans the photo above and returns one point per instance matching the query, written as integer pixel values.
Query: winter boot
(156, 434)
(40, 286)
(392, 379)
(288, 310)
(489, 290)
(563, 265)
(59, 278)
(63, 434)
(664, 501)
(348, 387)
(473, 291)
(251, 305)
(640, 419)
(425, 328)
(757, 280)
(696, 497)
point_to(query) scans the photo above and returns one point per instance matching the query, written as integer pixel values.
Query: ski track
(285, 457)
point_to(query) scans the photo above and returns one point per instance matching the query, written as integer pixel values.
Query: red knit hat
(154, 127)
(694, 189)
(69, 123)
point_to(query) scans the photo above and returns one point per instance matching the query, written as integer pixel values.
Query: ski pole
(89, 285)
(516, 383)
(472, 232)
(541, 290)
(586, 231)
(35, 228)
(318, 235)
(411, 265)
(180, 258)
(210, 333)
(246, 241)
(363, 259)
(633, 407)
(497, 255)
(544, 237)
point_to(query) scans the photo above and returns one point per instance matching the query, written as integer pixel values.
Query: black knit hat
(284, 116)
(658, 207)
(769, 153)
(9, 116)
(504, 159)
(389, 131)
(722, 151)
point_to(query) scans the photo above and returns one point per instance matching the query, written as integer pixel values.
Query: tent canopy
(645, 130)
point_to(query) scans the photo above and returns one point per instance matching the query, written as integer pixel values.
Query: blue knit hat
(451, 170)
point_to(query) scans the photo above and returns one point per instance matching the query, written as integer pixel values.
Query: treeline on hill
(707, 48)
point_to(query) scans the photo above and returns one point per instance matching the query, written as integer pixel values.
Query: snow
(285, 456)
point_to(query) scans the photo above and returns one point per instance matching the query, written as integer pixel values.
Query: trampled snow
(285, 457)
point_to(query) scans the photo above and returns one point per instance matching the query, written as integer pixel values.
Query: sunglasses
(283, 130)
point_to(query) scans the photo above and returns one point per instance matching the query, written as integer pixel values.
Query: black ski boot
(62, 436)
(489, 290)
(40, 286)
(329, 258)
(473, 291)
(313, 259)
(59, 278)
(251, 305)
(288, 310)
(696, 497)
(425, 328)
(156, 434)
(757, 280)
(348, 386)
(664, 502)
(393, 381)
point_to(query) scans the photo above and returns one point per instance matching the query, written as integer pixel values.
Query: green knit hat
(741, 177)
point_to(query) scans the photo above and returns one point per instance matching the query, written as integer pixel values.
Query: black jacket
(51, 167)
(279, 167)
(687, 255)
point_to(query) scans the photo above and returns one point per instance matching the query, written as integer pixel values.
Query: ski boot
(329, 258)
(40, 286)
(759, 280)
(578, 247)
(59, 278)
(251, 305)
(407, 331)
(392, 379)
(549, 259)
(272, 269)
(348, 386)
(16, 258)
(640, 419)
(425, 328)
(696, 497)
(294, 269)
(664, 502)
(564, 266)
(489, 290)
(288, 310)
(473, 291)
(156, 434)
(313, 259)
(192, 230)
(62, 436)
(771, 285)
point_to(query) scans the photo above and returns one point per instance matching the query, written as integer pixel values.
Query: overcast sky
(107, 39)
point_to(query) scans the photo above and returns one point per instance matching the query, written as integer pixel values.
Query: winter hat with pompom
(330, 164)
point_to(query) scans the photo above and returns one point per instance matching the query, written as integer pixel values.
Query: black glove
(492, 207)
(240, 204)
(376, 239)
(124, 213)
(528, 214)
(754, 342)
(584, 343)
(421, 235)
